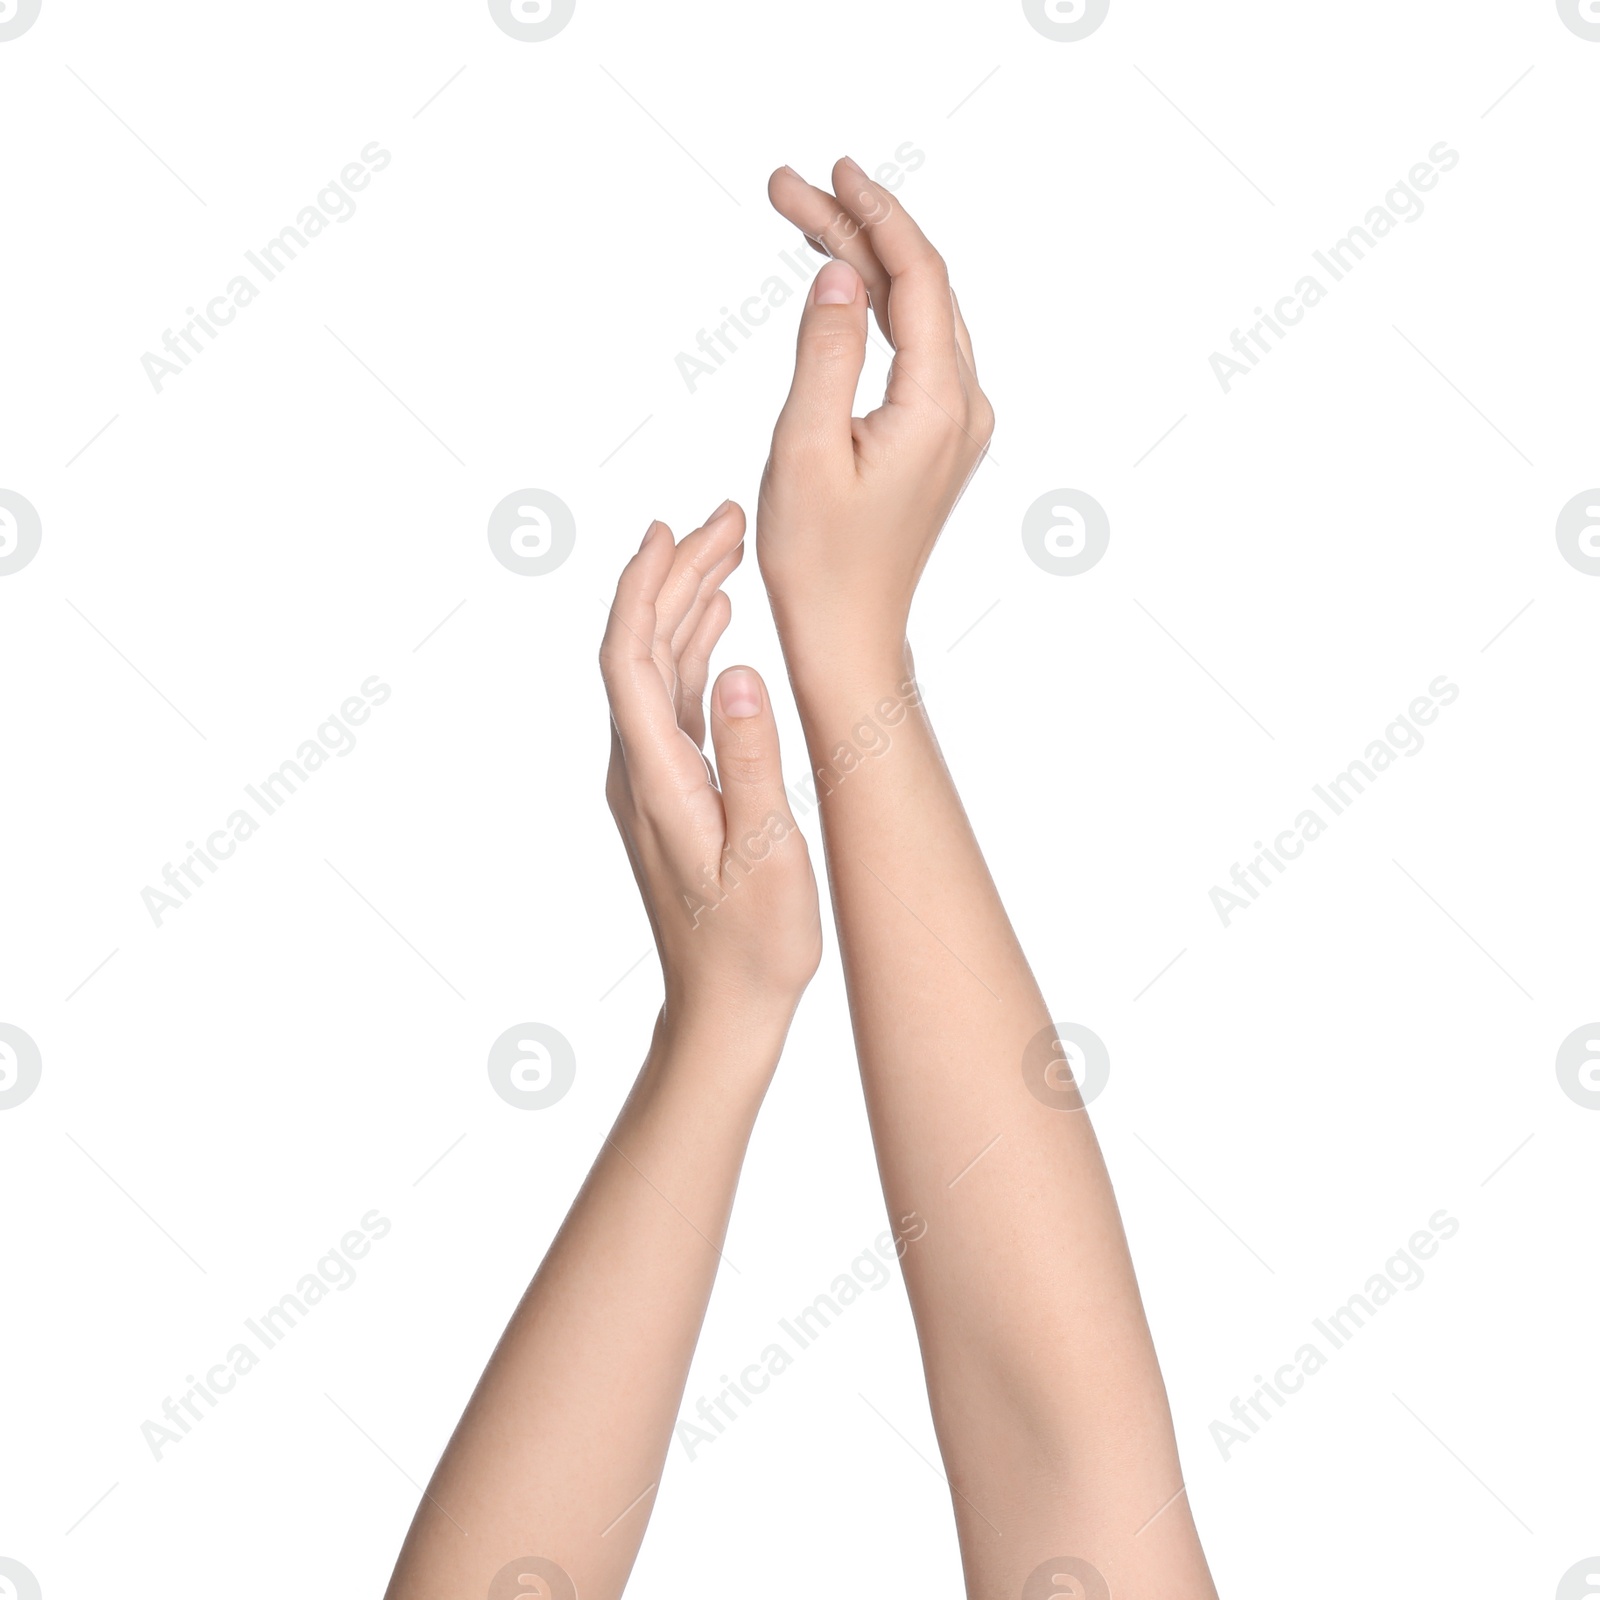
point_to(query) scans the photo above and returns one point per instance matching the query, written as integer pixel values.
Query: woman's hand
(723, 870)
(540, 1483)
(851, 506)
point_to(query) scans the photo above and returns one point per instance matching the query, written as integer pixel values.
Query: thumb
(744, 735)
(828, 361)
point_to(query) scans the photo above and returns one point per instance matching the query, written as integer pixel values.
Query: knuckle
(617, 789)
(742, 761)
(980, 412)
(924, 258)
(620, 655)
(943, 406)
(829, 341)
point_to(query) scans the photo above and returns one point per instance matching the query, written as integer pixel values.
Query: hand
(851, 506)
(724, 871)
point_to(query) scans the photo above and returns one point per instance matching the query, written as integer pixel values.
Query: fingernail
(717, 513)
(790, 170)
(739, 691)
(647, 533)
(836, 284)
(853, 166)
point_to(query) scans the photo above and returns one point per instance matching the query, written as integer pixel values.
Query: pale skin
(1046, 1395)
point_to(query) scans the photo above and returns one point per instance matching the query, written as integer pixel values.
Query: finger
(921, 315)
(709, 588)
(629, 644)
(709, 566)
(694, 665)
(642, 710)
(693, 558)
(832, 231)
(745, 736)
(831, 349)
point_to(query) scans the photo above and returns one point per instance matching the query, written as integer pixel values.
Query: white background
(1291, 565)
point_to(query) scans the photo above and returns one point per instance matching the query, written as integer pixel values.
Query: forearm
(561, 1447)
(1033, 1335)
(1043, 1383)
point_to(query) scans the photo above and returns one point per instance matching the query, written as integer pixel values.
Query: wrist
(704, 1063)
(852, 676)
(745, 1028)
(852, 708)
(827, 648)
